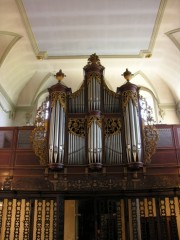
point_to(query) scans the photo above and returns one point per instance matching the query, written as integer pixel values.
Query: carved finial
(127, 75)
(94, 59)
(60, 75)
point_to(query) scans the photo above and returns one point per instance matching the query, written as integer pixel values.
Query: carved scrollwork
(39, 136)
(39, 144)
(126, 96)
(150, 142)
(112, 126)
(146, 111)
(58, 96)
(92, 75)
(77, 127)
(91, 119)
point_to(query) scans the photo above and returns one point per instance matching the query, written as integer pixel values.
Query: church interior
(89, 120)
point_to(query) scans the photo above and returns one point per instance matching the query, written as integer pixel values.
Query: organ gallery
(91, 167)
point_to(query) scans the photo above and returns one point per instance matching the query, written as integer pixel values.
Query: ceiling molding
(24, 108)
(167, 105)
(44, 54)
(172, 38)
(28, 26)
(157, 24)
(11, 44)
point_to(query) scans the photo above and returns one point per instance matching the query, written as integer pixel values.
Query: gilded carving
(102, 182)
(112, 126)
(58, 96)
(150, 142)
(126, 96)
(94, 59)
(39, 144)
(95, 119)
(146, 110)
(39, 137)
(92, 75)
(77, 127)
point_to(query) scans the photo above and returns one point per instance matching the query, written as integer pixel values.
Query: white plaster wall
(5, 115)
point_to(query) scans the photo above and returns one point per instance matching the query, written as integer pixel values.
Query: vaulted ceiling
(39, 37)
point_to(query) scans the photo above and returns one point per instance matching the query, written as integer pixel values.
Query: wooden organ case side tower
(132, 125)
(57, 123)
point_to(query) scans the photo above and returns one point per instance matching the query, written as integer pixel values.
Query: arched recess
(148, 91)
(7, 41)
(174, 36)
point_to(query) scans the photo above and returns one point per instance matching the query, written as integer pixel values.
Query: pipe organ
(94, 126)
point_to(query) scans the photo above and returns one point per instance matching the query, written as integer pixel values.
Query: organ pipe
(94, 142)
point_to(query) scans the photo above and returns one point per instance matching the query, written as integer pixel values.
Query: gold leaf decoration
(77, 127)
(39, 143)
(126, 96)
(58, 96)
(112, 126)
(150, 142)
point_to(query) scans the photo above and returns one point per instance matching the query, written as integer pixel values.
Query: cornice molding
(24, 108)
(167, 106)
(172, 38)
(157, 24)
(147, 53)
(11, 44)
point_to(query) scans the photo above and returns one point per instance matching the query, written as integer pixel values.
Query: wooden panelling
(26, 158)
(169, 170)
(5, 158)
(164, 157)
(28, 172)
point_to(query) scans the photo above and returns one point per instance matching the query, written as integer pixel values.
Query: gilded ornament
(112, 126)
(127, 75)
(94, 59)
(39, 143)
(77, 127)
(60, 75)
(58, 96)
(92, 75)
(126, 96)
(91, 119)
(150, 142)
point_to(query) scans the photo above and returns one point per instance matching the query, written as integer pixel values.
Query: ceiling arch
(7, 41)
